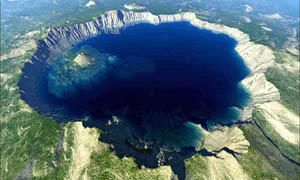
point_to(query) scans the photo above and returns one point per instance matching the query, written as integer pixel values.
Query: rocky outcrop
(82, 60)
(85, 141)
(226, 138)
(226, 166)
(262, 91)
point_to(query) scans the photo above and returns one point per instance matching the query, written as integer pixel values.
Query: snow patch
(134, 6)
(266, 28)
(275, 16)
(90, 4)
(248, 8)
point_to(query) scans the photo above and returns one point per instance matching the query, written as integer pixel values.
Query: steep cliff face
(110, 22)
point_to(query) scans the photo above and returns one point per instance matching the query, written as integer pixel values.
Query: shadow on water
(161, 81)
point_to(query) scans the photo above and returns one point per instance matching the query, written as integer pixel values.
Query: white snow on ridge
(134, 6)
(266, 28)
(90, 4)
(248, 8)
(275, 16)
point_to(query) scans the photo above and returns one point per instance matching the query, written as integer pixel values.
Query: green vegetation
(291, 150)
(106, 165)
(64, 156)
(196, 168)
(27, 139)
(263, 159)
(287, 81)
(257, 166)
(31, 144)
(35, 17)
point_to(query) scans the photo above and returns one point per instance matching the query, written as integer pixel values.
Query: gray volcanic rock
(110, 22)
(231, 138)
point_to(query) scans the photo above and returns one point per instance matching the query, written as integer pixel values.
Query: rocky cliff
(110, 22)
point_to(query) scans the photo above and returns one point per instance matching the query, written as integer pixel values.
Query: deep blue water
(163, 68)
(164, 76)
